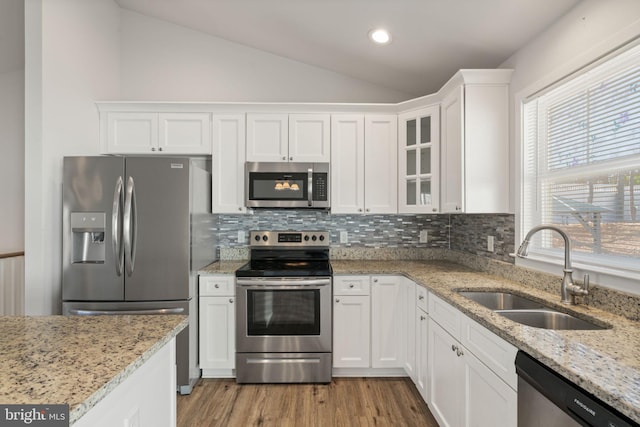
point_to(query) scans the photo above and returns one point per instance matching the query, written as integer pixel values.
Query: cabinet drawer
(421, 298)
(220, 285)
(447, 316)
(351, 285)
(493, 351)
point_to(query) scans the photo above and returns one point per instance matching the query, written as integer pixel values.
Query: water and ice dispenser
(87, 230)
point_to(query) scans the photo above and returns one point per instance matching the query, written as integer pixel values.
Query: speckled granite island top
(606, 362)
(76, 360)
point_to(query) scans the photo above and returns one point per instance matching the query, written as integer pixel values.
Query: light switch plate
(241, 236)
(344, 237)
(424, 236)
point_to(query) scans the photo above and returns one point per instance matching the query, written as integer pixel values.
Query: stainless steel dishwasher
(546, 399)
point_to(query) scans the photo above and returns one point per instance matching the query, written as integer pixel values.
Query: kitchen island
(86, 362)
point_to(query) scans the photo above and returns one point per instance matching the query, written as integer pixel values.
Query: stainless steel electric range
(284, 309)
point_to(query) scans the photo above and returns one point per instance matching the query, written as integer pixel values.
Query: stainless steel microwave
(287, 185)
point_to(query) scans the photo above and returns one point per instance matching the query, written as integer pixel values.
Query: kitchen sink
(528, 312)
(501, 300)
(548, 319)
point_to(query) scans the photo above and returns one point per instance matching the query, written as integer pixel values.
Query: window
(581, 165)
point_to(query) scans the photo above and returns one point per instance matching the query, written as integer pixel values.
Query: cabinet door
(419, 159)
(445, 377)
(409, 327)
(451, 182)
(267, 137)
(351, 331)
(381, 164)
(132, 133)
(488, 401)
(347, 164)
(422, 344)
(387, 344)
(184, 133)
(217, 332)
(309, 138)
(228, 156)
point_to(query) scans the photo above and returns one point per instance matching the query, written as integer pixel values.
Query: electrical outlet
(424, 236)
(490, 247)
(241, 236)
(344, 237)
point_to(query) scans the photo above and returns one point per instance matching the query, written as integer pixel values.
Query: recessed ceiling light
(380, 36)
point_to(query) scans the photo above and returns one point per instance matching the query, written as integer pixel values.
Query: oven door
(280, 315)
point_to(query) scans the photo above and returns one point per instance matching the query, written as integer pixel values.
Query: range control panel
(289, 238)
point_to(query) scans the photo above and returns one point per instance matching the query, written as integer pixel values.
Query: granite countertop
(76, 360)
(606, 362)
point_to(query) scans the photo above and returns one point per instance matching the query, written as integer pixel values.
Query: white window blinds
(582, 163)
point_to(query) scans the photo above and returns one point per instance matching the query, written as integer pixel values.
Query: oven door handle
(280, 284)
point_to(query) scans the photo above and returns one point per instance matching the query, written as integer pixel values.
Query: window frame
(605, 273)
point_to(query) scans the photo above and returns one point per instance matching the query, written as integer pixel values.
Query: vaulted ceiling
(431, 39)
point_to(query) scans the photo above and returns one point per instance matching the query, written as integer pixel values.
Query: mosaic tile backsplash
(466, 233)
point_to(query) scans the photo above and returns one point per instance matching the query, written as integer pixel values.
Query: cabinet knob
(351, 285)
(420, 297)
(459, 353)
(454, 347)
(375, 280)
(284, 157)
(216, 286)
(337, 299)
(291, 158)
(360, 210)
(153, 149)
(231, 300)
(422, 317)
(160, 149)
(458, 208)
(240, 209)
(368, 210)
(434, 209)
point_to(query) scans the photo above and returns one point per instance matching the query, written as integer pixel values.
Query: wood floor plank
(347, 402)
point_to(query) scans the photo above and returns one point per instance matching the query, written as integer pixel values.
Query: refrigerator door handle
(80, 312)
(116, 224)
(130, 227)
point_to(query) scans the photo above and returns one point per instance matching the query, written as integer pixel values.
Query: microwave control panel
(320, 186)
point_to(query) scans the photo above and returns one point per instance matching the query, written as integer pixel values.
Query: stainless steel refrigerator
(135, 232)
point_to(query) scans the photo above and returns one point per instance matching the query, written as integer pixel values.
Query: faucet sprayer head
(523, 250)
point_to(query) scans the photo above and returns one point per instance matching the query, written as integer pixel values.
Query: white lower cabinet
(351, 322)
(217, 326)
(387, 322)
(463, 390)
(422, 355)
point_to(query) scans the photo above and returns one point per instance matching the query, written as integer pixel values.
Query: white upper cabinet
(419, 158)
(309, 138)
(364, 163)
(347, 163)
(288, 138)
(475, 142)
(156, 133)
(228, 154)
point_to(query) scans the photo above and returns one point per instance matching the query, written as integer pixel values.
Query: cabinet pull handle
(231, 300)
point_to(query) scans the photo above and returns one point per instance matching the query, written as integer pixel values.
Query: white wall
(166, 62)
(589, 31)
(12, 161)
(71, 60)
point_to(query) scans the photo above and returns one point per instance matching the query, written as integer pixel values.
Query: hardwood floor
(345, 402)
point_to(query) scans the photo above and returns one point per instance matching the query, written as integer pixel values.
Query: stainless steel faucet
(568, 289)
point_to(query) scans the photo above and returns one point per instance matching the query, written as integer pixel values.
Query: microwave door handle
(310, 186)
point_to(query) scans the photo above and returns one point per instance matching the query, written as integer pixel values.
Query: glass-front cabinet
(419, 156)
